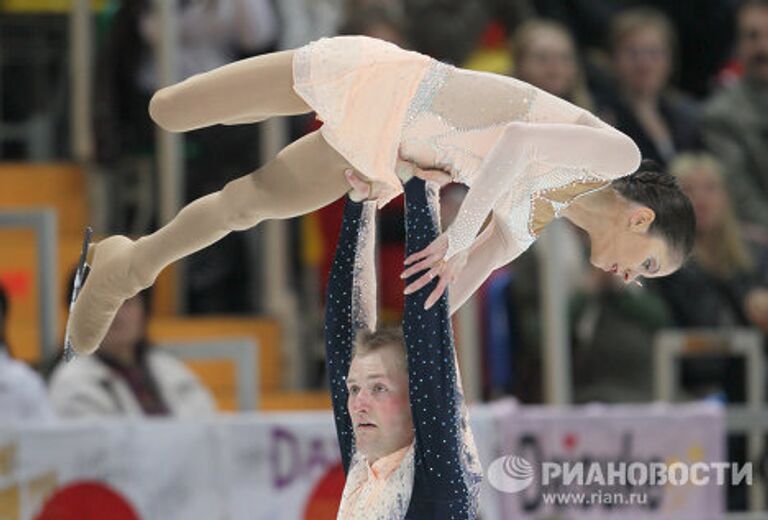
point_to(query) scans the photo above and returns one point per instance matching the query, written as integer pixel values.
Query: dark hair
(747, 4)
(361, 20)
(675, 220)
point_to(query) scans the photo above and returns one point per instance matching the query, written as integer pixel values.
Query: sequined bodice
(443, 128)
(457, 117)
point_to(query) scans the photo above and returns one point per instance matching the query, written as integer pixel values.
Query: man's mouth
(365, 425)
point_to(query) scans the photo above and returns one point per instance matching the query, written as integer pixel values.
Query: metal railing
(751, 418)
(44, 224)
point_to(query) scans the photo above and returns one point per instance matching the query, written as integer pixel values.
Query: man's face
(643, 61)
(378, 402)
(753, 42)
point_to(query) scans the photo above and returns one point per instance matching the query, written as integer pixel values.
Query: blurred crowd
(687, 80)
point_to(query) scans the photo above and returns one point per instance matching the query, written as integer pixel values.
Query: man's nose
(360, 401)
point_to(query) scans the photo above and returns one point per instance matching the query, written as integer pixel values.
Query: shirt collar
(384, 466)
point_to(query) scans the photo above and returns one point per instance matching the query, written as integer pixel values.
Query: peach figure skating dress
(525, 154)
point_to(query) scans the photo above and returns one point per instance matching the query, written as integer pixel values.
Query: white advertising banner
(597, 462)
(286, 466)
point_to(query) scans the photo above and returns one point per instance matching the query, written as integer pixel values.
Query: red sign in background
(87, 501)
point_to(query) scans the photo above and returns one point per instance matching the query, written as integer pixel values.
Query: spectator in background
(721, 285)
(735, 121)
(613, 330)
(127, 376)
(377, 21)
(545, 56)
(448, 30)
(212, 33)
(660, 122)
(22, 392)
(303, 21)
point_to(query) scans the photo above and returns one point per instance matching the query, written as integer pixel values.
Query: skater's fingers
(419, 283)
(427, 263)
(437, 292)
(415, 257)
(361, 189)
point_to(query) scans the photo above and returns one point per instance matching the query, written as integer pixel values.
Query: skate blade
(80, 275)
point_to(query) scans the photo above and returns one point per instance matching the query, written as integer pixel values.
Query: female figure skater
(525, 154)
(401, 421)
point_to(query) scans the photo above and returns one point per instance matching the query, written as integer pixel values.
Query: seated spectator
(381, 21)
(720, 286)
(613, 331)
(212, 33)
(662, 123)
(22, 391)
(545, 56)
(127, 376)
(735, 120)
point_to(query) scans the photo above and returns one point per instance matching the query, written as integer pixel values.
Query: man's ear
(641, 219)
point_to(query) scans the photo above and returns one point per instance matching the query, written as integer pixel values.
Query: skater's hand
(361, 188)
(441, 177)
(431, 259)
(406, 169)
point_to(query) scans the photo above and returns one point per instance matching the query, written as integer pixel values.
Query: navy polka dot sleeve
(343, 318)
(447, 474)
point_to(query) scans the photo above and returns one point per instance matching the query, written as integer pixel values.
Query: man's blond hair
(386, 337)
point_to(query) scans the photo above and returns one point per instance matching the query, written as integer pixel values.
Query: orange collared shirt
(369, 489)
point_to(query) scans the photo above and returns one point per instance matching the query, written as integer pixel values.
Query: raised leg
(248, 90)
(305, 176)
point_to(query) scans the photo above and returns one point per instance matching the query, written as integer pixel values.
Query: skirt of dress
(361, 89)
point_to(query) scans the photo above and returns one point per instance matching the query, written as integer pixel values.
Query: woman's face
(549, 63)
(127, 328)
(643, 61)
(627, 250)
(708, 196)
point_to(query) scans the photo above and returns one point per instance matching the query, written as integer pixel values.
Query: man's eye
(379, 388)
(354, 390)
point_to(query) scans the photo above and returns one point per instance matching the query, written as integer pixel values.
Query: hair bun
(650, 173)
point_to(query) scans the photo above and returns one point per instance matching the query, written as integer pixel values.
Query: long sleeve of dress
(447, 473)
(350, 307)
(569, 152)
(491, 250)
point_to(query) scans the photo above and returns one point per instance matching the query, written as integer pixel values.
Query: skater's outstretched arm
(604, 152)
(492, 249)
(248, 90)
(350, 308)
(447, 473)
(571, 149)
